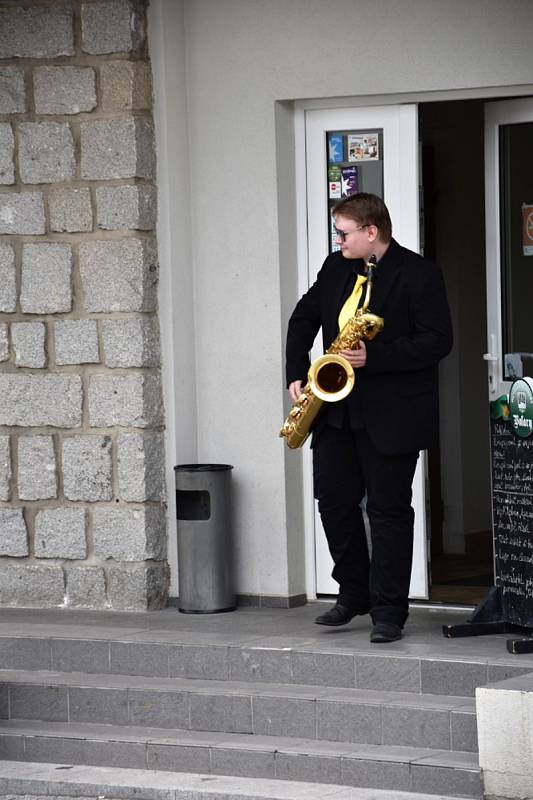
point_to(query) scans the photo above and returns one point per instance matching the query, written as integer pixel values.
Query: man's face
(358, 239)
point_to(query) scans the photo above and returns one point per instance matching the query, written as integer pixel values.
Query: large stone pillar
(82, 516)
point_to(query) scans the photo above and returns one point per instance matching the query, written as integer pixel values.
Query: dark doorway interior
(453, 217)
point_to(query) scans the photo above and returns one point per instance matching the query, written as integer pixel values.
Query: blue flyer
(335, 148)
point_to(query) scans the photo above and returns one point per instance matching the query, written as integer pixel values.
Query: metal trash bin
(204, 547)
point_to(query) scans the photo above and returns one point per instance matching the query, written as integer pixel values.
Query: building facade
(205, 109)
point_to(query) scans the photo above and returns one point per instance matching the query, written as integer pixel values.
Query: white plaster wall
(176, 297)
(241, 57)
(505, 733)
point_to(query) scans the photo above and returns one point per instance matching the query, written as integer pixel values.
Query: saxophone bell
(331, 378)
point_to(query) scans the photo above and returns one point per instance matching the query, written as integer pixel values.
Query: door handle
(493, 349)
(491, 358)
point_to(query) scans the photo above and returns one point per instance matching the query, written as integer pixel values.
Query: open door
(373, 149)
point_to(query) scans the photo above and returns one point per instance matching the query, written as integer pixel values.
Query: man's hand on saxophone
(295, 390)
(357, 358)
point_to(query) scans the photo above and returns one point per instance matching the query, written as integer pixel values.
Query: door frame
(299, 110)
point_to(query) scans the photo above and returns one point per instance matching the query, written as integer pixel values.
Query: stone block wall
(82, 494)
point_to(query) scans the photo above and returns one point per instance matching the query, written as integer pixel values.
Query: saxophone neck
(370, 267)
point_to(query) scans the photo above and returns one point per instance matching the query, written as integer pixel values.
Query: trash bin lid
(202, 467)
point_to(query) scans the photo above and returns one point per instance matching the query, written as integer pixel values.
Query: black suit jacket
(396, 393)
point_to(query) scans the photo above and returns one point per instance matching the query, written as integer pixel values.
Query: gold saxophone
(331, 377)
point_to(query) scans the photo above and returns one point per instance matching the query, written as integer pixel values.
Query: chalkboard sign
(512, 501)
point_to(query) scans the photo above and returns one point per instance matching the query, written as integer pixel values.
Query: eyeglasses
(343, 234)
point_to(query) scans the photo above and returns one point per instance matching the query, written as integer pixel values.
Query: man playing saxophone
(369, 442)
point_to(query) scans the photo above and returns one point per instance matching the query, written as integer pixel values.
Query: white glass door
(372, 149)
(509, 242)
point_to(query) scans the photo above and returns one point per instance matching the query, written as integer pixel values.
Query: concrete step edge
(258, 643)
(32, 778)
(246, 688)
(396, 719)
(190, 640)
(455, 759)
(266, 660)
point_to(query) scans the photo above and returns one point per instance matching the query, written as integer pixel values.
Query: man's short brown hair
(366, 209)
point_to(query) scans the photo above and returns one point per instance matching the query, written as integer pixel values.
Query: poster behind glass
(355, 164)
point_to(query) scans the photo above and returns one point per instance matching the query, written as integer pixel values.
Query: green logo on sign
(521, 407)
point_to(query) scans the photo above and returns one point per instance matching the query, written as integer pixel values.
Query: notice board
(512, 500)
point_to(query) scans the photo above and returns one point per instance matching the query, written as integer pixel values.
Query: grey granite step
(376, 766)
(310, 712)
(135, 784)
(326, 661)
(288, 709)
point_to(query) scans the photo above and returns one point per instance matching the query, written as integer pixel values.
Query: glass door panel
(516, 205)
(509, 242)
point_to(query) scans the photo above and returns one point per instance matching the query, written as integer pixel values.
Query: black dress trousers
(346, 464)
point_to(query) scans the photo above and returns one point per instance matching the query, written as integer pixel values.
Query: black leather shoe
(383, 632)
(338, 615)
